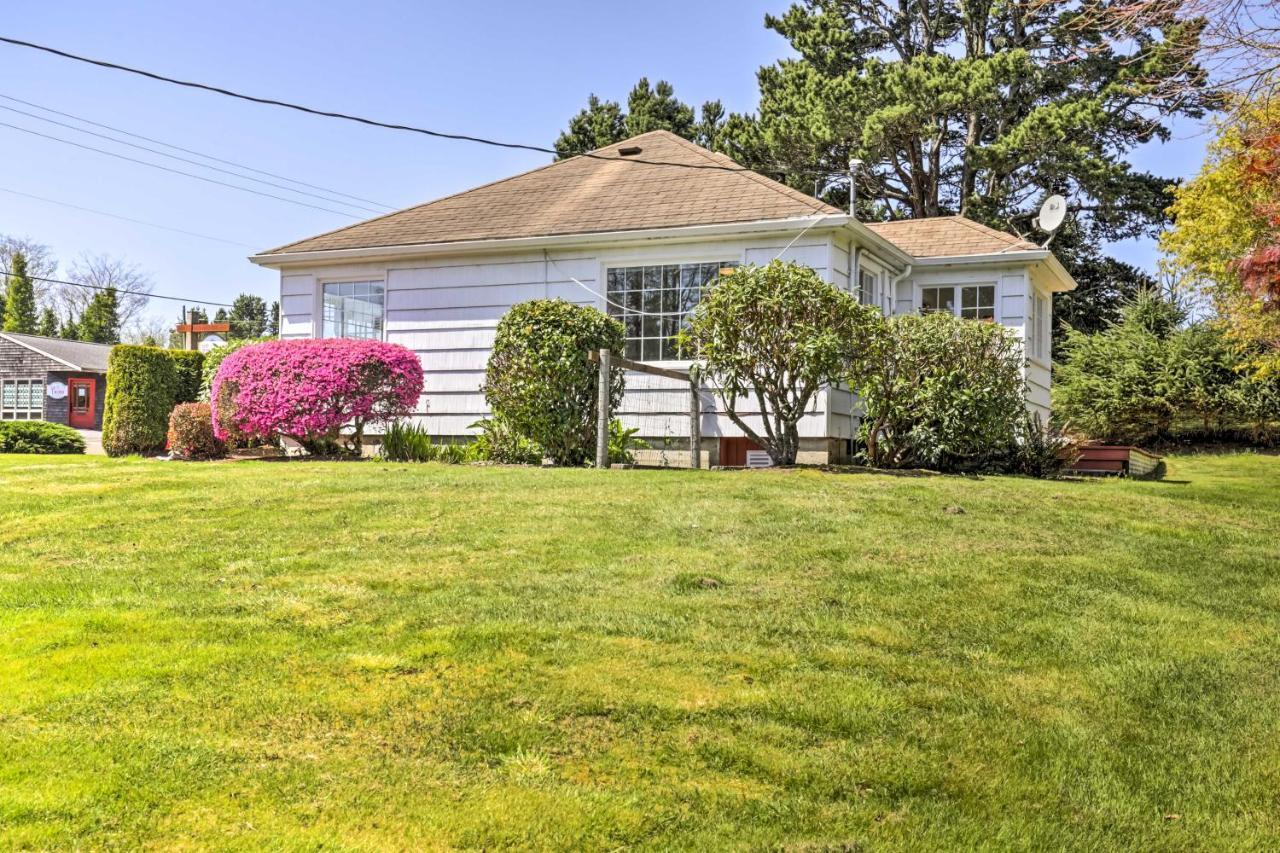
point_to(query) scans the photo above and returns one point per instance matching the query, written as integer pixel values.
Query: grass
(373, 655)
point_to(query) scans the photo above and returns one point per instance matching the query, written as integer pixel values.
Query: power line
(196, 163)
(125, 218)
(273, 102)
(177, 171)
(198, 153)
(120, 290)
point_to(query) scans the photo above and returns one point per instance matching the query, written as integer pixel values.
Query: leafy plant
(539, 382)
(405, 441)
(213, 360)
(310, 390)
(188, 366)
(622, 441)
(140, 391)
(191, 432)
(39, 437)
(774, 336)
(943, 393)
(498, 442)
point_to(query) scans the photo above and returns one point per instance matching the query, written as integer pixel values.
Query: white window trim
(633, 259)
(9, 413)
(318, 304)
(959, 297)
(1040, 329)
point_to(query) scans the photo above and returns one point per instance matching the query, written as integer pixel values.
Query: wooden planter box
(1123, 460)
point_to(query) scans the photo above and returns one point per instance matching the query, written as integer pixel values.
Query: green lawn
(366, 655)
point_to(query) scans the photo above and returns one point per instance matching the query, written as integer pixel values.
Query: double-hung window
(653, 302)
(866, 287)
(972, 302)
(21, 399)
(354, 309)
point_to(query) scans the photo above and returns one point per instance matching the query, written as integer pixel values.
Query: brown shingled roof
(947, 237)
(584, 195)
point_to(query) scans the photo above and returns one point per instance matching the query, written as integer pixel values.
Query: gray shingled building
(49, 379)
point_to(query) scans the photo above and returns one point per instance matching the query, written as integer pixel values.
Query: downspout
(893, 287)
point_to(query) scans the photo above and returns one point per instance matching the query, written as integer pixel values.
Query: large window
(653, 302)
(21, 399)
(353, 309)
(973, 302)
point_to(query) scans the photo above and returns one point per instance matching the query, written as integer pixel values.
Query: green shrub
(944, 393)
(191, 432)
(188, 368)
(774, 336)
(141, 383)
(539, 381)
(497, 442)
(39, 437)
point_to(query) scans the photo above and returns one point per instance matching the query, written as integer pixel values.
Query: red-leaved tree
(310, 390)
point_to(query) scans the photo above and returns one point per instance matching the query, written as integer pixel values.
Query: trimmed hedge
(39, 437)
(539, 382)
(188, 365)
(141, 385)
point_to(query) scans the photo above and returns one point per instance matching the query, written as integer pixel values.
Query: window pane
(353, 309)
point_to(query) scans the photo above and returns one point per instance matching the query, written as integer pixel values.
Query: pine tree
(48, 323)
(70, 330)
(101, 321)
(20, 298)
(273, 321)
(220, 317)
(248, 317)
(649, 108)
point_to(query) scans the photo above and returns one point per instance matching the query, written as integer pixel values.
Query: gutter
(1022, 256)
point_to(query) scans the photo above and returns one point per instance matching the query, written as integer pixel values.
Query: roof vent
(630, 150)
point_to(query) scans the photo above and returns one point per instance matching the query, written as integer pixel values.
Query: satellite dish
(1052, 214)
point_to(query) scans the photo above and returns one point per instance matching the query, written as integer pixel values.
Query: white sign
(56, 390)
(210, 341)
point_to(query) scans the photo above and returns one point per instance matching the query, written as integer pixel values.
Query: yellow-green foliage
(141, 384)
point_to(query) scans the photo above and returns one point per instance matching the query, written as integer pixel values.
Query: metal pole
(602, 413)
(695, 423)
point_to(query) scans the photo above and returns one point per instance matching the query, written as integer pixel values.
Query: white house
(636, 229)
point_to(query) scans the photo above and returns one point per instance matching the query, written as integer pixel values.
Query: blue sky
(516, 74)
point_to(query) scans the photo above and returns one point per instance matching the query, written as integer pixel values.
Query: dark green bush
(188, 368)
(39, 437)
(141, 384)
(944, 393)
(539, 381)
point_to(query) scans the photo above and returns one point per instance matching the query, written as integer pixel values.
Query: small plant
(191, 433)
(39, 437)
(622, 442)
(405, 441)
(498, 442)
(1041, 450)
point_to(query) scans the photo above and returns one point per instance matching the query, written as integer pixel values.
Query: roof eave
(47, 355)
(816, 223)
(1063, 279)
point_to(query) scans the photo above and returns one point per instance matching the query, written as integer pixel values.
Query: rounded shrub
(191, 432)
(141, 383)
(943, 393)
(310, 390)
(213, 360)
(539, 382)
(39, 437)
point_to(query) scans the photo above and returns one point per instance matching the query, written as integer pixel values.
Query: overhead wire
(5, 272)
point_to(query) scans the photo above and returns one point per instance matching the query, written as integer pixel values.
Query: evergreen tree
(248, 317)
(20, 298)
(649, 108)
(273, 321)
(70, 330)
(219, 317)
(101, 322)
(48, 323)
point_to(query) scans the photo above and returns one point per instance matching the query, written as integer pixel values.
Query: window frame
(632, 260)
(37, 413)
(1039, 327)
(322, 283)
(957, 299)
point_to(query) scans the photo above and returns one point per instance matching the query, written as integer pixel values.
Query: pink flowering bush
(309, 390)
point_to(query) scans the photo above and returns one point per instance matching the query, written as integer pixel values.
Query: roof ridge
(765, 181)
(987, 229)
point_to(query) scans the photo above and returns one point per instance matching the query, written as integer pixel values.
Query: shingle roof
(947, 237)
(78, 355)
(585, 195)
